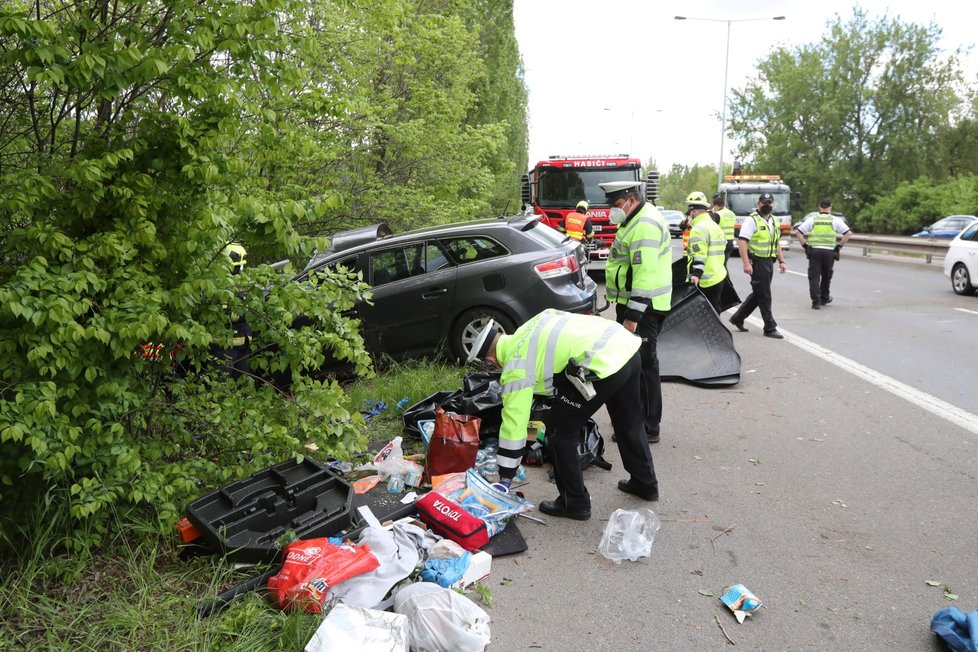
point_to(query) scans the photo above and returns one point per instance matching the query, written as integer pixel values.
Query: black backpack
(590, 449)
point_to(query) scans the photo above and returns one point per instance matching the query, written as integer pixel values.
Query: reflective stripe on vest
(822, 234)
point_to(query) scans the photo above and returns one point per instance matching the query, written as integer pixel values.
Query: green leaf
(707, 592)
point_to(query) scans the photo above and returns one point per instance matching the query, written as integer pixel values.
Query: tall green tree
(135, 140)
(852, 115)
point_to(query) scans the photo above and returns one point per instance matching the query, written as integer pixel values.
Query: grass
(137, 594)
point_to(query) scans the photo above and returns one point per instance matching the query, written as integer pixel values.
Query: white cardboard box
(478, 570)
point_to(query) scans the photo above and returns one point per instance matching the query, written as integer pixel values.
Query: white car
(961, 261)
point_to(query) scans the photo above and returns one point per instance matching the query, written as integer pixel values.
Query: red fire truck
(555, 186)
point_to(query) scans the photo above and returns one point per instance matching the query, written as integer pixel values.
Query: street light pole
(726, 68)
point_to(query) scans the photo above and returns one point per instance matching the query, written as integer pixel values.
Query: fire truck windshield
(564, 187)
(745, 203)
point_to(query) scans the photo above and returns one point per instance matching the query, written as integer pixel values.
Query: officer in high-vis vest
(726, 219)
(706, 263)
(577, 225)
(236, 358)
(760, 247)
(638, 280)
(819, 237)
(583, 362)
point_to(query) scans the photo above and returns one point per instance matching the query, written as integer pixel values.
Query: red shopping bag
(454, 443)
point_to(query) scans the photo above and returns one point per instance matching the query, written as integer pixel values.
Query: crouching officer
(584, 362)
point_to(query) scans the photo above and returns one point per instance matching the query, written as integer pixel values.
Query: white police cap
(483, 341)
(610, 187)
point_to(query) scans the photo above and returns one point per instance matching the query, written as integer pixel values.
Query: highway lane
(899, 319)
(837, 501)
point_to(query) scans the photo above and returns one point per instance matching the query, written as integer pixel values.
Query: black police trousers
(568, 416)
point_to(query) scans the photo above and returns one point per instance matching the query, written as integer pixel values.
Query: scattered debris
(725, 634)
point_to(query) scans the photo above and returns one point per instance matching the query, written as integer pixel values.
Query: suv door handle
(432, 294)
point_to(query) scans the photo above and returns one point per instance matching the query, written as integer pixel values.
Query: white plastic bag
(629, 534)
(356, 628)
(440, 619)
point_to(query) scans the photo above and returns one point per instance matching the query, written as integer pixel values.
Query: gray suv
(436, 287)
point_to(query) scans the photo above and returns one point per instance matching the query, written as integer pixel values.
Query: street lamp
(726, 66)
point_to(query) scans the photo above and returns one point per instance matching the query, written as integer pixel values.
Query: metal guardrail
(900, 244)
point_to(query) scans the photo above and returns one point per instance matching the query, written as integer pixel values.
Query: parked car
(961, 261)
(674, 219)
(947, 227)
(439, 286)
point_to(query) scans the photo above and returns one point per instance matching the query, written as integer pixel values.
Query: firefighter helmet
(582, 206)
(697, 200)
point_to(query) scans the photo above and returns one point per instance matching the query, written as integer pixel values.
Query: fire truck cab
(552, 188)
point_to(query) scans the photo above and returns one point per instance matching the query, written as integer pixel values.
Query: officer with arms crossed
(584, 362)
(760, 245)
(706, 263)
(818, 235)
(638, 280)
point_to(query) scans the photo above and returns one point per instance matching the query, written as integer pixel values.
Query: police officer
(726, 219)
(706, 263)
(638, 280)
(584, 362)
(760, 246)
(819, 237)
(577, 225)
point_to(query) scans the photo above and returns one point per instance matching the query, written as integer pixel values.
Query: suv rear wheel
(467, 327)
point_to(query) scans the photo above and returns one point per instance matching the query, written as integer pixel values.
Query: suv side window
(395, 264)
(971, 233)
(474, 248)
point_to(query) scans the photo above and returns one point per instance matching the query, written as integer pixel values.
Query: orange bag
(454, 443)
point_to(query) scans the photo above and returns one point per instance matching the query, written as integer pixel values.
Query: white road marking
(798, 273)
(970, 312)
(932, 404)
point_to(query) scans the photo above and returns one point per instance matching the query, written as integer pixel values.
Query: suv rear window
(473, 248)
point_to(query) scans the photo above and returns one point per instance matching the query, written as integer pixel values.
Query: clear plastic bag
(629, 534)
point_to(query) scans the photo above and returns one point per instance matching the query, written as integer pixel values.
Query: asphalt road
(828, 489)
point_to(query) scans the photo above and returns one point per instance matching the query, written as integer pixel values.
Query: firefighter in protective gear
(638, 280)
(235, 359)
(819, 236)
(760, 247)
(577, 225)
(551, 355)
(727, 220)
(706, 264)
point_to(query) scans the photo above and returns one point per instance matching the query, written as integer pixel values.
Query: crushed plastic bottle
(629, 534)
(520, 473)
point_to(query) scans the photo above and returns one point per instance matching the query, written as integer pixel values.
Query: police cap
(616, 189)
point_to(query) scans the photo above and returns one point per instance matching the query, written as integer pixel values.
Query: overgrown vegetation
(138, 139)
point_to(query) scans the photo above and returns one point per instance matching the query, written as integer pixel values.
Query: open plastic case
(246, 519)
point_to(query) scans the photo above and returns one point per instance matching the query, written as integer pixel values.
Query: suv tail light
(559, 267)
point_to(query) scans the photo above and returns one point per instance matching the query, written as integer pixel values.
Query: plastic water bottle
(402, 404)
(520, 473)
(395, 484)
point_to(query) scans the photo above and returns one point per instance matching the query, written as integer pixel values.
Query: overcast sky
(574, 51)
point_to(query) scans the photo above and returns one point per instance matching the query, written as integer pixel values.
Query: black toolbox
(246, 519)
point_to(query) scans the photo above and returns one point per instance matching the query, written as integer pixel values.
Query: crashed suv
(435, 288)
